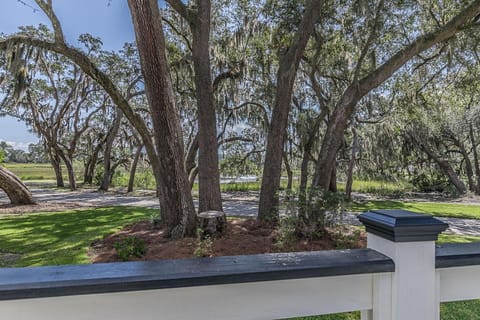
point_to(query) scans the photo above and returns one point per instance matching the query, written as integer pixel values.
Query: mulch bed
(244, 236)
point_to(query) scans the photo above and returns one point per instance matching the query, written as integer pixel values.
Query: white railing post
(409, 240)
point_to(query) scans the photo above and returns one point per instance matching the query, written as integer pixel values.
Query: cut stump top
(211, 214)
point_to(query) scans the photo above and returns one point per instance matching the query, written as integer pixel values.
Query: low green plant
(345, 238)
(431, 182)
(155, 220)
(130, 247)
(287, 233)
(204, 247)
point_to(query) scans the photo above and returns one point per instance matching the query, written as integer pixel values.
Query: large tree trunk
(15, 189)
(268, 206)
(346, 105)
(178, 212)
(107, 154)
(208, 171)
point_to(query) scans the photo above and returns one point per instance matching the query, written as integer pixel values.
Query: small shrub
(204, 247)
(344, 238)
(287, 230)
(155, 220)
(434, 182)
(130, 247)
(119, 179)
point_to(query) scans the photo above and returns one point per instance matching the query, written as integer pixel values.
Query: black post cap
(402, 225)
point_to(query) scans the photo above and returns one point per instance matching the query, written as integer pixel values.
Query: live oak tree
(288, 64)
(361, 86)
(176, 199)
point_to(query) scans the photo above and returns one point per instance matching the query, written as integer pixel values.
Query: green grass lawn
(57, 238)
(62, 237)
(439, 209)
(462, 310)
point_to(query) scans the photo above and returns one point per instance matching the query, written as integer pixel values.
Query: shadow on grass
(63, 237)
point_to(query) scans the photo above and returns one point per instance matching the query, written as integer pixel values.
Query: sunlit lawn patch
(439, 209)
(62, 237)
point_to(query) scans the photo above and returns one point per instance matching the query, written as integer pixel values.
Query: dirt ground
(244, 236)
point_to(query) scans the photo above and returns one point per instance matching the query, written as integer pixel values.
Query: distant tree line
(35, 154)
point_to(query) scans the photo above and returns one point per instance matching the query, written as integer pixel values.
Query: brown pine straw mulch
(244, 236)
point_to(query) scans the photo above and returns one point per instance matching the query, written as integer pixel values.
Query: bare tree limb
(47, 8)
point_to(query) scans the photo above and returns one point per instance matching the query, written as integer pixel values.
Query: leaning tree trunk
(468, 164)
(445, 167)
(133, 168)
(286, 74)
(107, 154)
(57, 168)
(71, 173)
(15, 189)
(178, 212)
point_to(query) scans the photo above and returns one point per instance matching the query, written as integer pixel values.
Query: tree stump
(212, 223)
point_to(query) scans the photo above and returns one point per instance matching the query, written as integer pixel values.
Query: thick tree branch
(182, 10)
(422, 43)
(233, 73)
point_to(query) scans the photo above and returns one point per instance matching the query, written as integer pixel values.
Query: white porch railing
(400, 277)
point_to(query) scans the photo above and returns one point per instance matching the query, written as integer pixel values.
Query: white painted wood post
(409, 240)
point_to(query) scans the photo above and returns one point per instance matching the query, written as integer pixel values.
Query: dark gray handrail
(457, 255)
(35, 282)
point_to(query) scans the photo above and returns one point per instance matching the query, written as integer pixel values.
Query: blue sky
(109, 20)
